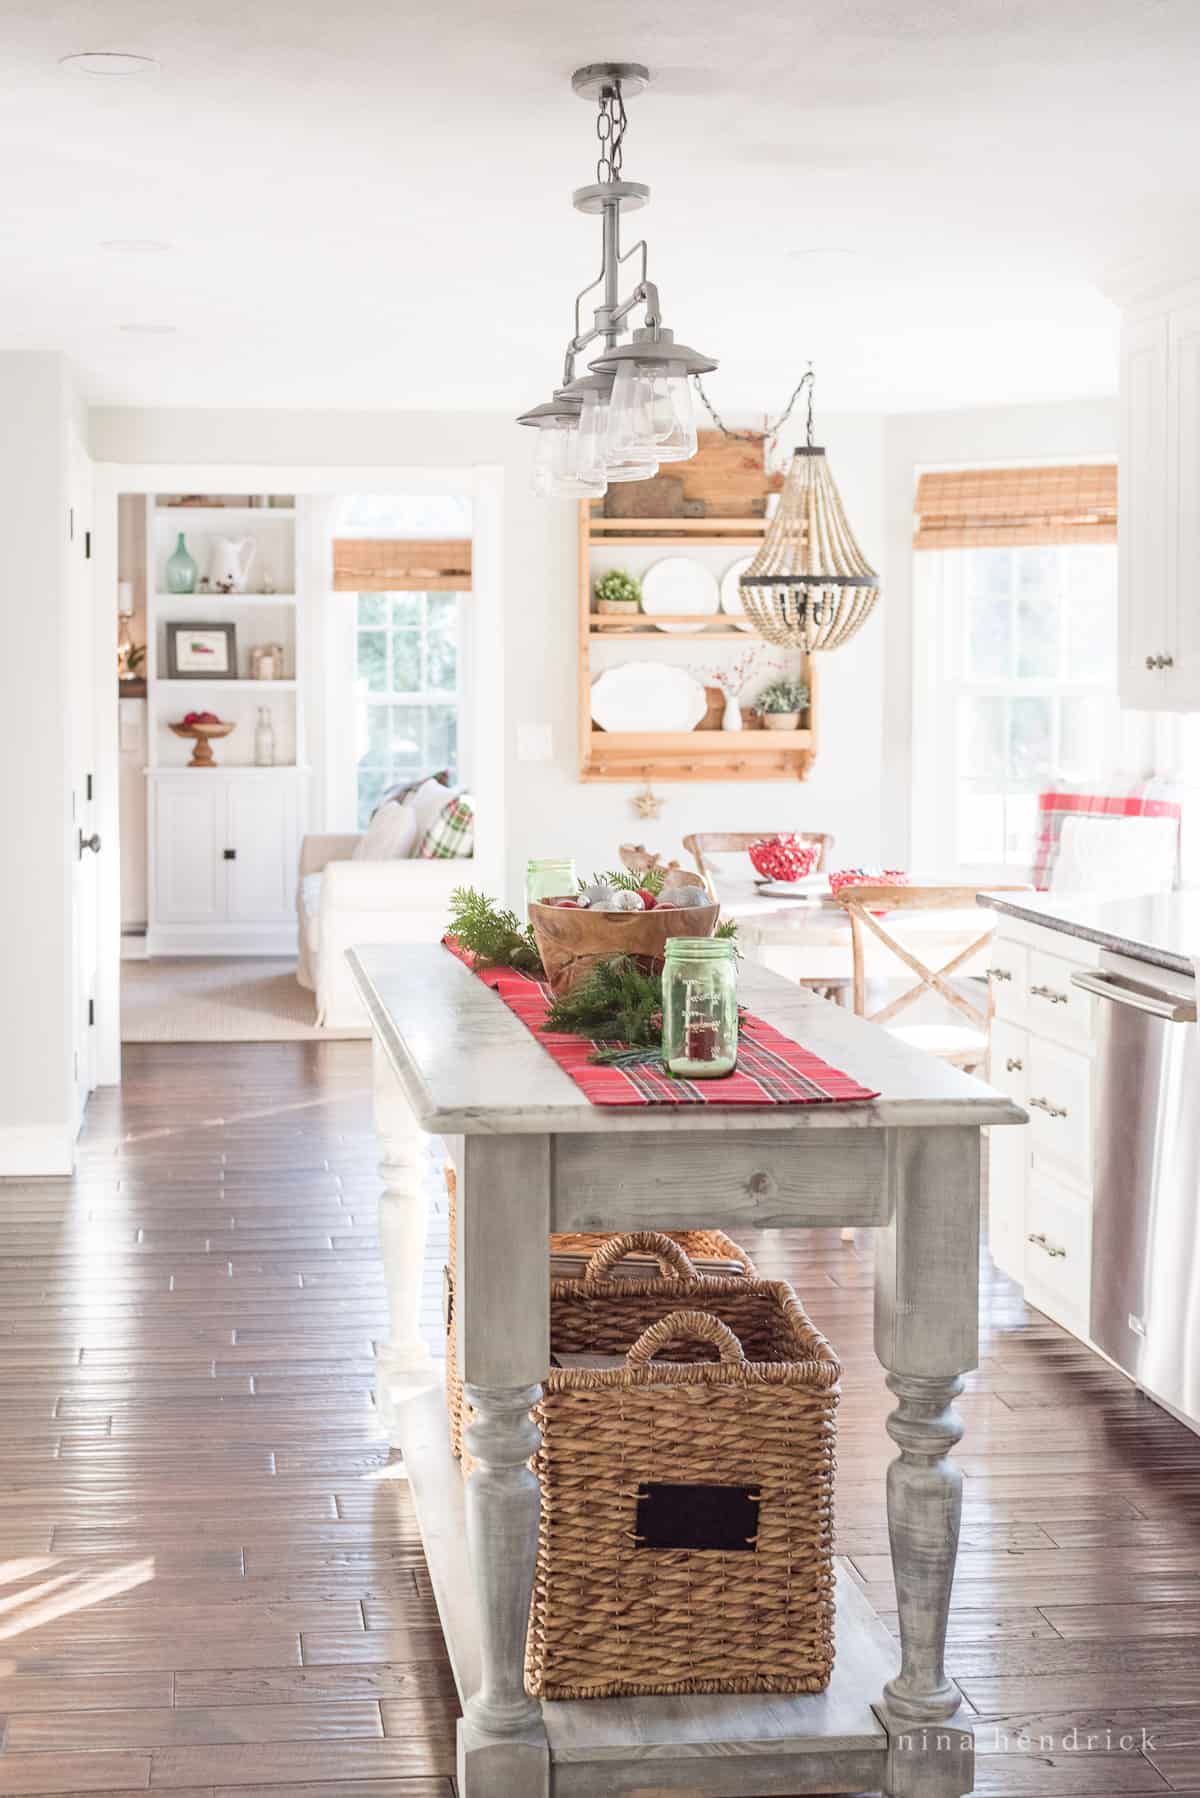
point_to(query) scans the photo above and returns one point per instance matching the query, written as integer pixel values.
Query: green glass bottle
(700, 1009)
(181, 569)
(552, 878)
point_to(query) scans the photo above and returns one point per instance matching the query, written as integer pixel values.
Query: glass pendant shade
(810, 586)
(556, 471)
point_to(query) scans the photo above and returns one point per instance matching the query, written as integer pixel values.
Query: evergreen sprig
(621, 880)
(616, 1002)
(494, 936)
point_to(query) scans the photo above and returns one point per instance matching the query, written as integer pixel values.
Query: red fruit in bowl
(647, 898)
(568, 904)
(192, 718)
(207, 718)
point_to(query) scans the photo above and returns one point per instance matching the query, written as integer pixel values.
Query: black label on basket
(723, 1517)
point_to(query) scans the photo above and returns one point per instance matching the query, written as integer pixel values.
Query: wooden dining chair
(964, 1044)
(731, 842)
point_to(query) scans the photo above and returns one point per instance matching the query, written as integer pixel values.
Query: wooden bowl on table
(570, 942)
(201, 737)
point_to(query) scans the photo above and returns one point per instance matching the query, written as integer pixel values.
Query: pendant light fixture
(810, 586)
(634, 410)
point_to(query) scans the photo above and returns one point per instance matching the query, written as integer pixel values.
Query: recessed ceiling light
(108, 62)
(134, 246)
(150, 330)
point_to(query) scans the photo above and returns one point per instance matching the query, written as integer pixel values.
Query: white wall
(1077, 429)
(37, 1092)
(549, 810)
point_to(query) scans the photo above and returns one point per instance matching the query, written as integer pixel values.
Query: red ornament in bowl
(783, 857)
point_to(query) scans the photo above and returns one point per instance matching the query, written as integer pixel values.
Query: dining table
(534, 1156)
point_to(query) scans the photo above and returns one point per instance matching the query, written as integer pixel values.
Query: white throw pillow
(392, 834)
(427, 804)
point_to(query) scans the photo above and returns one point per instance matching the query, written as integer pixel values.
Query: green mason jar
(700, 1009)
(551, 879)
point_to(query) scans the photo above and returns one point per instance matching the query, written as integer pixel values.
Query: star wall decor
(647, 804)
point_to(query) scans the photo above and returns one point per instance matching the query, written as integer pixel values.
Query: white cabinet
(225, 847)
(1008, 1151)
(1159, 506)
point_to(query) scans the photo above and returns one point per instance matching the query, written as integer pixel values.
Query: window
(1016, 655)
(407, 690)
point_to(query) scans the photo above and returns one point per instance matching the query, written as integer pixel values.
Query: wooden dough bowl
(570, 943)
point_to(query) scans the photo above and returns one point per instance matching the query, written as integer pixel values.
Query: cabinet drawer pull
(1014, 1066)
(1054, 1111)
(1048, 992)
(998, 973)
(1038, 1239)
(1153, 662)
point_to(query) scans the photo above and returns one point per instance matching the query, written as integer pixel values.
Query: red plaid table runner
(771, 1068)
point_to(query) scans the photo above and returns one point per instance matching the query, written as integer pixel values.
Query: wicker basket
(710, 1251)
(726, 1586)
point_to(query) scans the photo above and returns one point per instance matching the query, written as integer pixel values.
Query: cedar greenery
(617, 1002)
(621, 880)
(495, 937)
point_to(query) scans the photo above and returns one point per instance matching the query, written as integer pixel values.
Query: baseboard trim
(182, 940)
(43, 1151)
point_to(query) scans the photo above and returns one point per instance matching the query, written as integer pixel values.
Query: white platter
(731, 599)
(677, 584)
(644, 696)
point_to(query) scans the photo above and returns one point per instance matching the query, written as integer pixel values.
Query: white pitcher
(230, 563)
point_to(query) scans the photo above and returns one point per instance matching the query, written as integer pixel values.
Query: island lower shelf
(718, 1745)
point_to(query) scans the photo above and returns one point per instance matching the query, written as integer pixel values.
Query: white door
(1142, 512)
(189, 840)
(262, 835)
(86, 845)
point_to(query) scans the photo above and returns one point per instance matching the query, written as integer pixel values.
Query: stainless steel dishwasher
(1146, 1212)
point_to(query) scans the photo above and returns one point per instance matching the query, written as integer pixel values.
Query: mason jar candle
(550, 879)
(700, 1009)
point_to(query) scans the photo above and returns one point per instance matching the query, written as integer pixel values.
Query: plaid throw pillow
(452, 833)
(1151, 798)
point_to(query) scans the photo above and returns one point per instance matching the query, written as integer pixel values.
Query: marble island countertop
(1160, 928)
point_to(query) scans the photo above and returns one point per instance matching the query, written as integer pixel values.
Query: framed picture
(201, 651)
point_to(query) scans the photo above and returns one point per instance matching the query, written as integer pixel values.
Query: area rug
(204, 999)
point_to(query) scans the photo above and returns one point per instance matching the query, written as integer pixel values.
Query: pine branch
(495, 937)
(616, 1002)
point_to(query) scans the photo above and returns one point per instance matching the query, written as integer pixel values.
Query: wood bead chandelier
(810, 586)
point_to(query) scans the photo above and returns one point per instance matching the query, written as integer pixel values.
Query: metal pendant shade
(810, 586)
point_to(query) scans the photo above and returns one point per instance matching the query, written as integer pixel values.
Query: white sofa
(343, 904)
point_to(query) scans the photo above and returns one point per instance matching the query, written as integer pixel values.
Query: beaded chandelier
(810, 586)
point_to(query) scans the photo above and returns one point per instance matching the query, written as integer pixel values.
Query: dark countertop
(1160, 928)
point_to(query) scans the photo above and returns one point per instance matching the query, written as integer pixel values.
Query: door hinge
(87, 546)
(91, 1011)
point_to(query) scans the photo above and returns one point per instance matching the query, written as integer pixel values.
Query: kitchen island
(1161, 929)
(534, 1156)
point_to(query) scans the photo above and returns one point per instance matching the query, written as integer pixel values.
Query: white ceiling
(368, 203)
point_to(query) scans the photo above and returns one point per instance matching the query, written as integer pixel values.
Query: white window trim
(456, 696)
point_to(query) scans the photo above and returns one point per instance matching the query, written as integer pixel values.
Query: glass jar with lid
(700, 1009)
(553, 878)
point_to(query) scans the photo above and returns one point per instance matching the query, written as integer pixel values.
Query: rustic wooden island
(533, 1155)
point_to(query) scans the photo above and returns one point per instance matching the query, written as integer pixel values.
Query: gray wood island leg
(404, 1363)
(504, 1353)
(927, 1336)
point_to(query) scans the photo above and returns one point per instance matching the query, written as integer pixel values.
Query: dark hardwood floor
(210, 1579)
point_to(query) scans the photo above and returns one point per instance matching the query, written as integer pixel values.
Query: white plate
(647, 696)
(731, 599)
(677, 584)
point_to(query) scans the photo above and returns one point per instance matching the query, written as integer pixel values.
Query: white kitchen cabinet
(225, 847)
(1159, 506)
(1058, 1247)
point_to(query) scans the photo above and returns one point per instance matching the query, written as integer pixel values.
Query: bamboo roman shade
(969, 508)
(401, 564)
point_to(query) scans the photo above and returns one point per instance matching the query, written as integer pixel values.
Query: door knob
(92, 843)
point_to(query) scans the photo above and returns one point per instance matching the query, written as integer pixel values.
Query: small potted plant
(618, 593)
(781, 704)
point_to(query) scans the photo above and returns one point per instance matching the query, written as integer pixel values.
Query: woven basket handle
(671, 1258)
(683, 1326)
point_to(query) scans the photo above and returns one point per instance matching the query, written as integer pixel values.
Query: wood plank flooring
(210, 1578)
